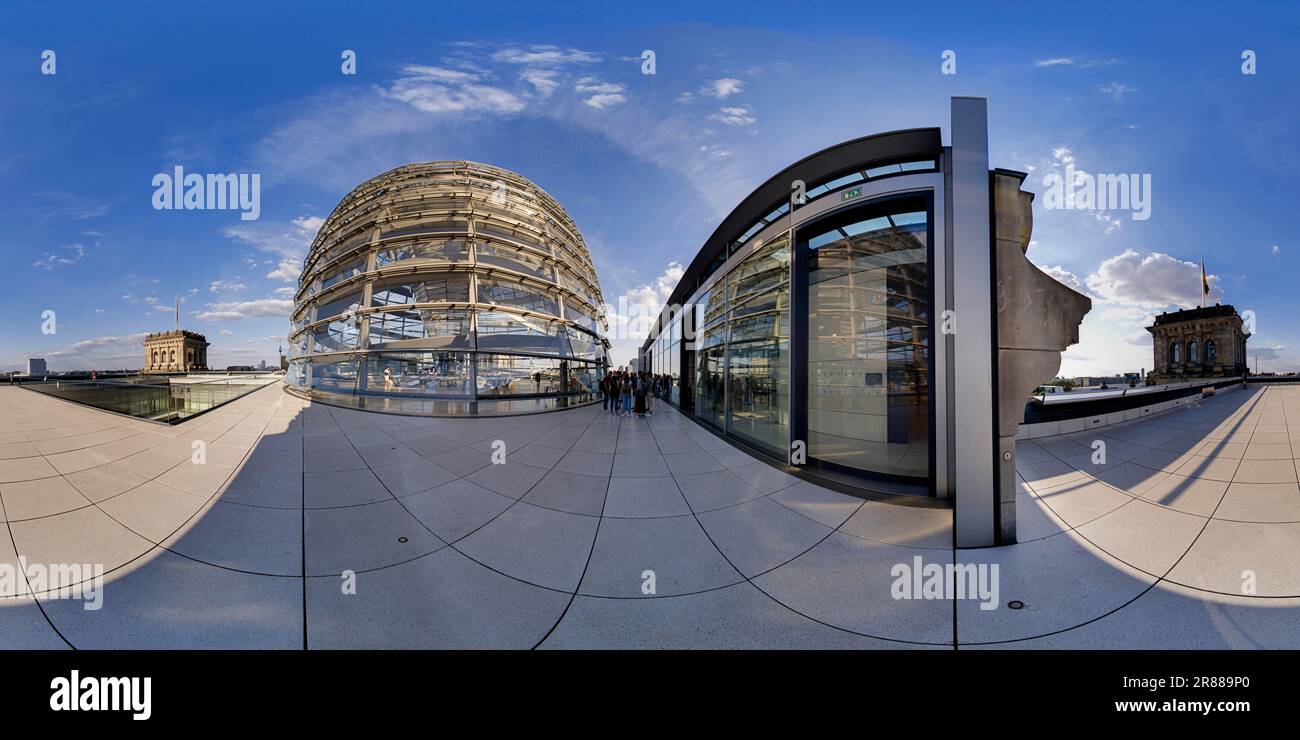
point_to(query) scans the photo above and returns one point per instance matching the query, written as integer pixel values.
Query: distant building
(1208, 342)
(36, 366)
(177, 351)
(1091, 381)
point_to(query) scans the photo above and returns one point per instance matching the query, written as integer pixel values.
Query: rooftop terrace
(552, 549)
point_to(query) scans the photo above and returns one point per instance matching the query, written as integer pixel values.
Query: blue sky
(646, 164)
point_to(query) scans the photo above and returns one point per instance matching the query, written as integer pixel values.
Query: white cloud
(106, 353)
(631, 320)
(226, 333)
(723, 88)
(288, 241)
(544, 81)
(545, 55)
(220, 286)
(1276, 250)
(440, 90)
(1064, 276)
(50, 261)
(602, 94)
(235, 310)
(735, 116)
(1153, 280)
(1054, 62)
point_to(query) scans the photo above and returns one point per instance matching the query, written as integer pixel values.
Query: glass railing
(167, 400)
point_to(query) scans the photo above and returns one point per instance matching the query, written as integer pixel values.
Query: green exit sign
(850, 194)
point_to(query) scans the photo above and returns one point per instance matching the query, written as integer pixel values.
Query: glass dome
(448, 288)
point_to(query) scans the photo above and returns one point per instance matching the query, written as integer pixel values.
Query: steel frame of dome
(448, 288)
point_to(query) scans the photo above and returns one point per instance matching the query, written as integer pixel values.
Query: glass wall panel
(343, 273)
(399, 292)
(504, 292)
(336, 377)
(868, 321)
(758, 366)
(514, 375)
(428, 327)
(338, 306)
(506, 332)
(335, 336)
(451, 250)
(445, 226)
(513, 258)
(584, 346)
(710, 400)
(579, 315)
(420, 373)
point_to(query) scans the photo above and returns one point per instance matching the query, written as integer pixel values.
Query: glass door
(868, 337)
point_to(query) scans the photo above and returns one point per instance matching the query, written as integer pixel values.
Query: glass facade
(816, 330)
(448, 288)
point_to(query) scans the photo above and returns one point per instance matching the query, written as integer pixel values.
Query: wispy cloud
(737, 115)
(600, 94)
(723, 88)
(226, 286)
(441, 90)
(1116, 90)
(289, 242)
(236, 310)
(1077, 62)
(49, 261)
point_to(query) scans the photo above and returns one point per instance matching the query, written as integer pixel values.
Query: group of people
(628, 393)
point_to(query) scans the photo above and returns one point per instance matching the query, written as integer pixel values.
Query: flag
(1205, 283)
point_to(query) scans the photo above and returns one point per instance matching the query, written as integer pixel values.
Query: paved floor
(308, 524)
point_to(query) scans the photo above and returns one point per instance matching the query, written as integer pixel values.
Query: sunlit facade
(448, 288)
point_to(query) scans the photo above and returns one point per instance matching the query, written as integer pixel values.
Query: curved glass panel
(338, 306)
(503, 332)
(400, 292)
(499, 255)
(420, 327)
(451, 250)
(437, 374)
(504, 292)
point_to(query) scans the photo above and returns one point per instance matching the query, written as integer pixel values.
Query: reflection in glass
(426, 327)
(710, 399)
(452, 250)
(506, 332)
(758, 365)
(423, 373)
(505, 292)
(451, 288)
(868, 322)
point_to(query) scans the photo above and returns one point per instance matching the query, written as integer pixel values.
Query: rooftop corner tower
(448, 288)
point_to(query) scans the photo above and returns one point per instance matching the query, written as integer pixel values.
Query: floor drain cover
(1016, 604)
(403, 541)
